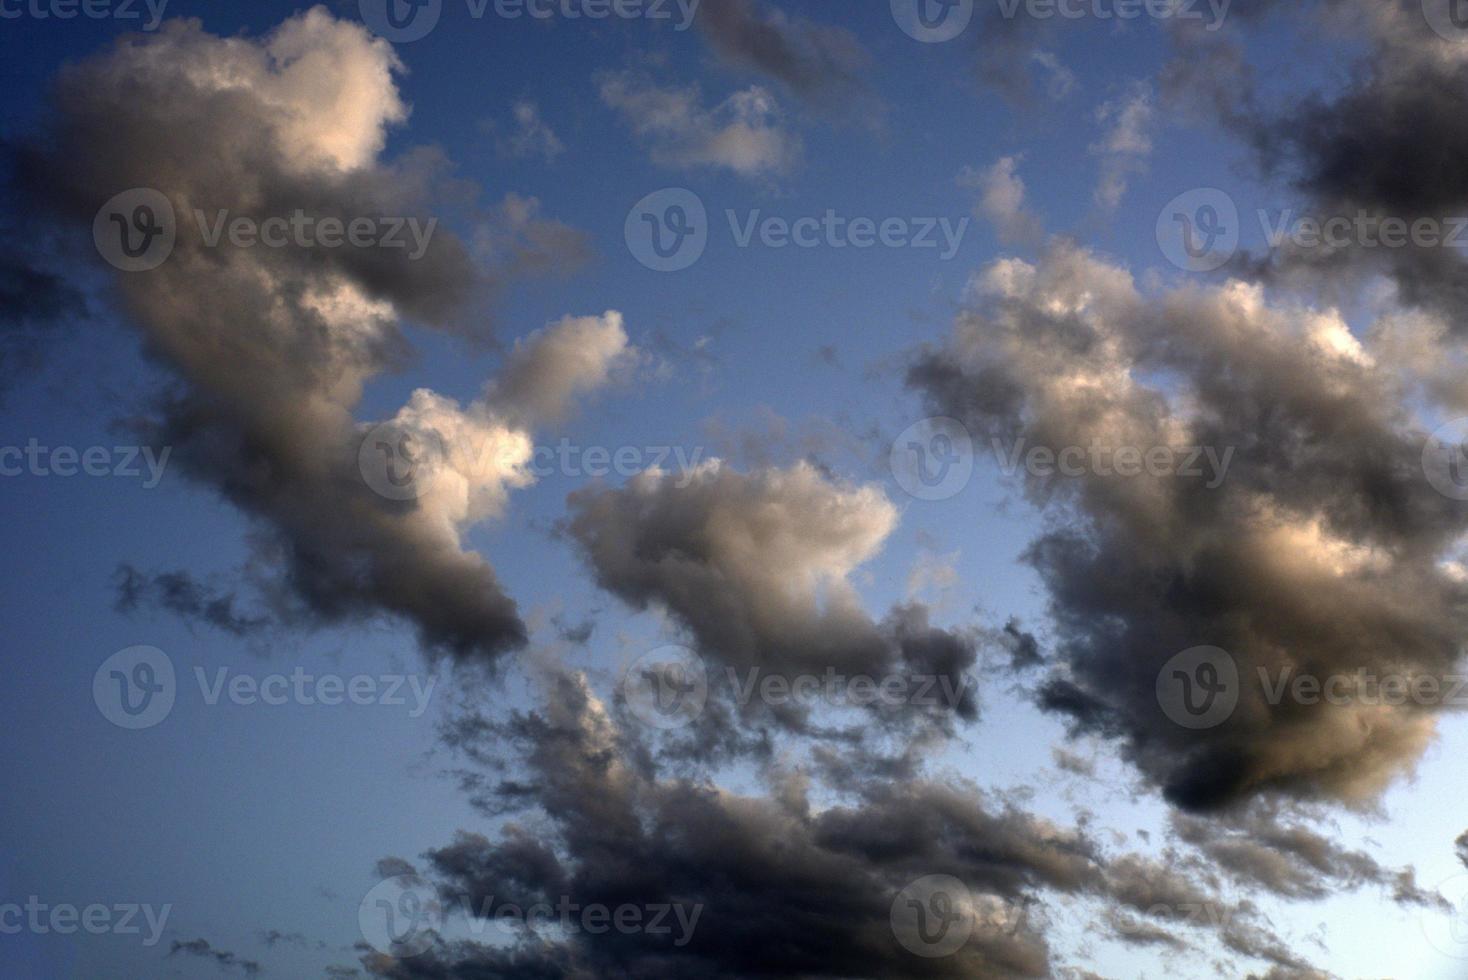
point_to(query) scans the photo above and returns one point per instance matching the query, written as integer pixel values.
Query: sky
(595, 488)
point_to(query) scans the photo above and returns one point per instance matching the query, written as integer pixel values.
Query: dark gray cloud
(223, 958)
(1322, 550)
(786, 888)
(820, 62)
(1260, 848)
(755, 566)
(272, 347)
(37, 306)
(182, 594)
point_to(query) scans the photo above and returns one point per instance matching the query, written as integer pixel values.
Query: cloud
(1002, 200)
(757, 568)
(783, 886)
(225, 959)
(37, 306)
(1384, 144)
(743, 133)
(819, 62)
(271, 348)
(1293, 861)
(182, 594)
(532, 136)
(1127, 143)
(1319, 550)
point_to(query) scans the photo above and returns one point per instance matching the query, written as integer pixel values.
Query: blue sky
(248, 818)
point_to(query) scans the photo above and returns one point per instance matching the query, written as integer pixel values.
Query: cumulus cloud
(532, 136)
(744, 133)
(272, 347)
(757, 568)
(1382, 146)
(1320, 551)
(1125, 146)
(784, 885)
(1002, 200)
